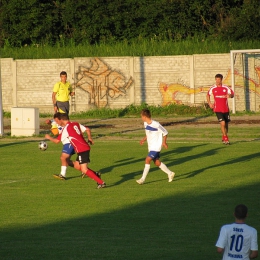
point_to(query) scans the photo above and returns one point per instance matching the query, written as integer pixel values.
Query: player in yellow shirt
(62, 91)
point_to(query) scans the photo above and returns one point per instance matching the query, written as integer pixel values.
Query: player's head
(240, 211)
(63, 76)
(63, 73)
(60, 117)
(146, 113)
(219, 76)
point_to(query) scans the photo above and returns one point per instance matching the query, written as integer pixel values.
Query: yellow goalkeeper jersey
(62, 91)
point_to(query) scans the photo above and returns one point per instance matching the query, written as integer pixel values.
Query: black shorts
(83, 157)
(223, 117)
(63, 107)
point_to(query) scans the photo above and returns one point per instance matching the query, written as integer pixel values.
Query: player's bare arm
(208, 100)
(54, 101)
(253, 254)
(220, 250)
(143, 140)
(54, 140)
(164, 143)
(90, 140)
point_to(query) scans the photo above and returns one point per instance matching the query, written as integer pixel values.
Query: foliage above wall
(101, 21)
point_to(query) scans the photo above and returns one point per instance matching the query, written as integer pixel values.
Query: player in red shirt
(72, 132)
(221, 93)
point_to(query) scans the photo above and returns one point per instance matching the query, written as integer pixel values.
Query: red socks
(91, 174)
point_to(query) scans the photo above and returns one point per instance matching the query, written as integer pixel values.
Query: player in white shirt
(156, 136)
(238, 240)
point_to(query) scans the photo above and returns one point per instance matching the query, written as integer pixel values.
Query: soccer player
(68, 150)
(72, 132)
(221, 93)
(62, 91)
(238, 240)
(156, 136)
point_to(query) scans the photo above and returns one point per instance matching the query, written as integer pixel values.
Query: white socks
(63, 171)
(164, 168)
(145, 172)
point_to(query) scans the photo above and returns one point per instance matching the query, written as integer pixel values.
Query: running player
(156, 136)
(72, 132)
(68, 150)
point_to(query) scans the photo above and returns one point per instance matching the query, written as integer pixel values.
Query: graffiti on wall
(170, 92)
(102, 83)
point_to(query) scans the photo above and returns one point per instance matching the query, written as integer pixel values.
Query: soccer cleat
(100, 186)
(59, 176)
(171, 176)
(226, 141)
(98, 174)
(83, 175)
(140, 181)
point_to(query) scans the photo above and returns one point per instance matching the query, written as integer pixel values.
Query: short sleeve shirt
(65, 140)
(62, 91)
(221, 101)
(237, 241)
(154, 133)
(72, 132)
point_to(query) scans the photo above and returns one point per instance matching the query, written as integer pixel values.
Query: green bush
(56, 23)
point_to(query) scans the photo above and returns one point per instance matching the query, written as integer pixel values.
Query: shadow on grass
(183, 226)
(167, 157)
(13, 143)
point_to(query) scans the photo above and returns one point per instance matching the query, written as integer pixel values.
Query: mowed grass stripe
(44, 218)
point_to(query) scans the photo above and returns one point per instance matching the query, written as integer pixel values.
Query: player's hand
(47, 136)
(142, 142)
(48, 121)
(165, 145)
(90, 141)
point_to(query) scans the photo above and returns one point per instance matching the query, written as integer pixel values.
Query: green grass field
(45, 218)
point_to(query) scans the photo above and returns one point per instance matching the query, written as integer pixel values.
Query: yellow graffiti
(101, 82)
(169, 92)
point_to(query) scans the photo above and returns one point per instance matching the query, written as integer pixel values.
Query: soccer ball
(42, 145)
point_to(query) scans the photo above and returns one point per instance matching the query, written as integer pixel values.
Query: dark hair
(219, 76)
(61, 116)
(63, 73)
(146, 112)
(241, 211)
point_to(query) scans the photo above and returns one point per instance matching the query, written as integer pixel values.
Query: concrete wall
(116, 82)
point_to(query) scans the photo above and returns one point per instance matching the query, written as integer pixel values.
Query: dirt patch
(136, 122)
(132, 128)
